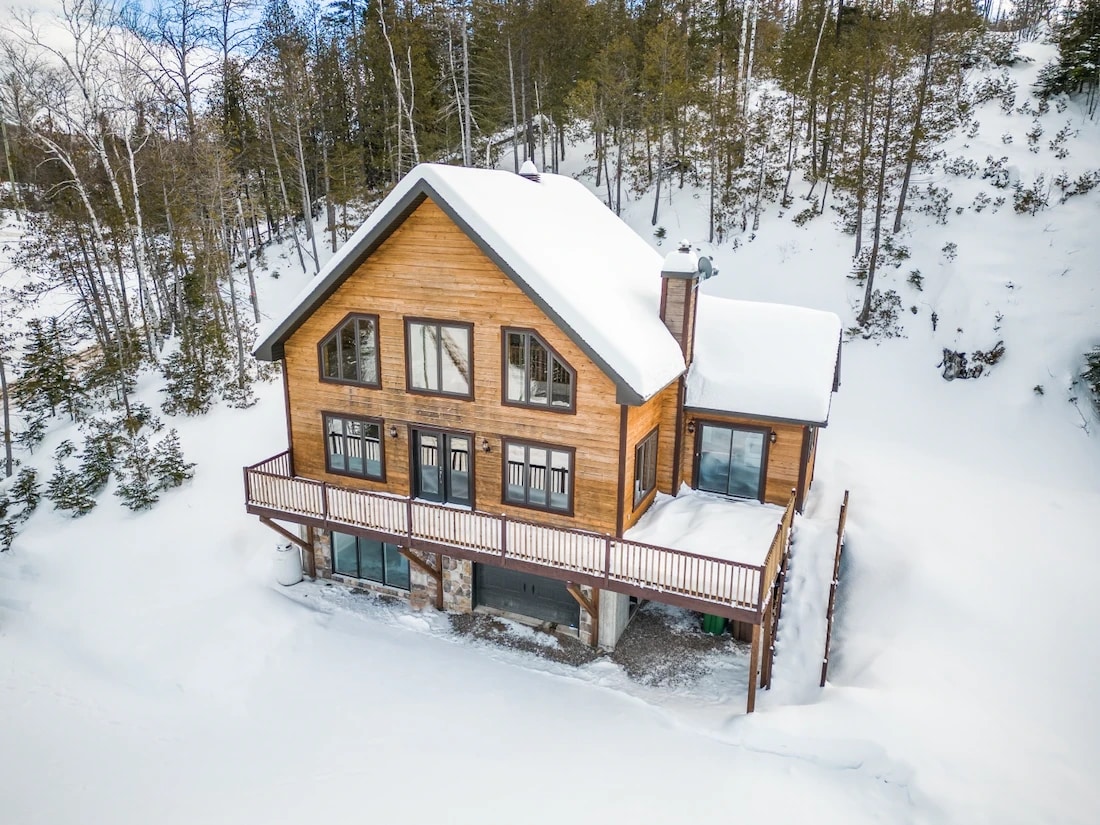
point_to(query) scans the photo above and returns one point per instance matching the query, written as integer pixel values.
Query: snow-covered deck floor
(709, 525)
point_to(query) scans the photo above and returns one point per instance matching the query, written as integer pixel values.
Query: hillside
(150, 670)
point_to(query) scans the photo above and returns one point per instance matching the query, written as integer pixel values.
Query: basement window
(375, 561)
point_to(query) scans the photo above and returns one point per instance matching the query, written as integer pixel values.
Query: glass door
(442, 467)
(731, 461)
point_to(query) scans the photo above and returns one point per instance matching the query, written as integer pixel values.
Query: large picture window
(438, 357)
(534, 374)
(645, 467)
(731, 460)
(538, 476)
(353, 446)
(375, 561)
(350, 353)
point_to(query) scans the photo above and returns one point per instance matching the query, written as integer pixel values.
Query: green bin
(714, 624)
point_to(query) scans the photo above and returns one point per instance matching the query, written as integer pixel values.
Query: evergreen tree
(67, 491)
(25, 492)
(46, 380)
(1078, 67)
(169, 467)
(137, 483)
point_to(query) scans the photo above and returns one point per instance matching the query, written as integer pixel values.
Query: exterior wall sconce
(771, 437)
(691, 426)
(393, 431)
(485, 445)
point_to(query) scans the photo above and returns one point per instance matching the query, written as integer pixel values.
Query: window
(538, 476)
(375, 561)
(353, 446)
(438, 357)
(645, 467)
(350, 353)
(534, 374)
(731, 460)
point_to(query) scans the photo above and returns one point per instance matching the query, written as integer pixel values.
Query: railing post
(324, 501)
(606, 559)
(247, 487)
(409, 520)
(503, 536)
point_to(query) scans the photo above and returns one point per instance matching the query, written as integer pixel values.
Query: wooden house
(490, 384)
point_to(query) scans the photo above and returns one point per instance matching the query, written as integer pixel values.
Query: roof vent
(529, 171)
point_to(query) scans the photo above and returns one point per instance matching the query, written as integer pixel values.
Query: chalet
(499, 397)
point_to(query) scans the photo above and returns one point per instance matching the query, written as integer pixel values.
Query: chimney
(679, 290)
(529, 170)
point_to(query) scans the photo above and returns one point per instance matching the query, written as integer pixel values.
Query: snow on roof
(589, 271)
(766, 360)
(709, 525)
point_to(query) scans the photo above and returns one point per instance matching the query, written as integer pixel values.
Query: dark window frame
(554, 356)
(359, 560)
(326, 416)
(505, 443)
(335, 333)
(438, 322)
(764, 457)
(650, 444)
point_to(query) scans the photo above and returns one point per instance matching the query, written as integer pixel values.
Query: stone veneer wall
(586, 630)
(458, 585)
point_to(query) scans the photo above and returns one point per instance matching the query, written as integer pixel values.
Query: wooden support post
(766, 645)
(286, 534)
(439, 582)
(308, 557)
(754, 665)
(590, 606)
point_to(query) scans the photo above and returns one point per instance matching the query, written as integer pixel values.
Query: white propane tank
(288, 564)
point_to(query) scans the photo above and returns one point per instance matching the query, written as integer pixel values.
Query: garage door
(525, 594)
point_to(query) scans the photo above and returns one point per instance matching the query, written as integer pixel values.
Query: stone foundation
(458, 585)
(586, 632)
(421, 592)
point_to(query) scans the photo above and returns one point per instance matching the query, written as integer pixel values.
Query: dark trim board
(271, 347)
(766, 419)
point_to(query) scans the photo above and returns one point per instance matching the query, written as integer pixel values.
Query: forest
(152, 151)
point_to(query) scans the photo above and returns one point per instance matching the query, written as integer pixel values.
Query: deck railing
(270, 487)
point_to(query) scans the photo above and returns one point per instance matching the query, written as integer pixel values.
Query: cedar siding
(658, 411)
(784, 469)
(429, 268)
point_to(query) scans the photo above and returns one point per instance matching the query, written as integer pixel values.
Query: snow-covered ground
(151, 672)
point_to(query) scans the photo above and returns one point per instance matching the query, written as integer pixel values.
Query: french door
(442, 467)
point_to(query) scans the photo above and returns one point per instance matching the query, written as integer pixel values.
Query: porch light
(485, 445)
(771, 437)
(691, 426)
(393, 431)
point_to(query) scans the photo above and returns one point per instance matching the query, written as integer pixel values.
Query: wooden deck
(711, 585)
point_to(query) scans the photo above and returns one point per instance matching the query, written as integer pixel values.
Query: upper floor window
(645, 467)
(438, 357)
(538, 476)
(534, 374)
(350, 353)
(353, 446)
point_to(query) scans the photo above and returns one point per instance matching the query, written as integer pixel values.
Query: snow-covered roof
(764, 360)
(587, 270)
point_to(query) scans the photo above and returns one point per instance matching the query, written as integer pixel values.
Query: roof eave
(772, 419)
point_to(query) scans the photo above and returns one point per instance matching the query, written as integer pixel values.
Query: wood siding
(784, 456)
(428, 268)
(659, 411)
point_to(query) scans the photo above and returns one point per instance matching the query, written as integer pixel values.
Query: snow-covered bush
(996, 171)
(882, 321)
(1033, 135)
(936, 202)
(981, 201)
(961, 166)
(1030, 200)
(1083, 184)
(1090, 376)
(169, 467)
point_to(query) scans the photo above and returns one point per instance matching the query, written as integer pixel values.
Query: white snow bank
(763, 359)
(590, 268)
(709, 525)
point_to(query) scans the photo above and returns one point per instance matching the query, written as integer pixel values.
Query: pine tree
(67, 492)
(97, 461)
(169, 467)
(25, 492)
(137, 487)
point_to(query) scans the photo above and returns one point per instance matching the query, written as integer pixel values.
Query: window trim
(506, 442)
(651, 436)
(335, 331)
(555, 355)
(441, 322)
(764, 455)
(359, 560)
(325, 416)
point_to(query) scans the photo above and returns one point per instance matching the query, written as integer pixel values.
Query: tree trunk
(922, 96)
(865, 313)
